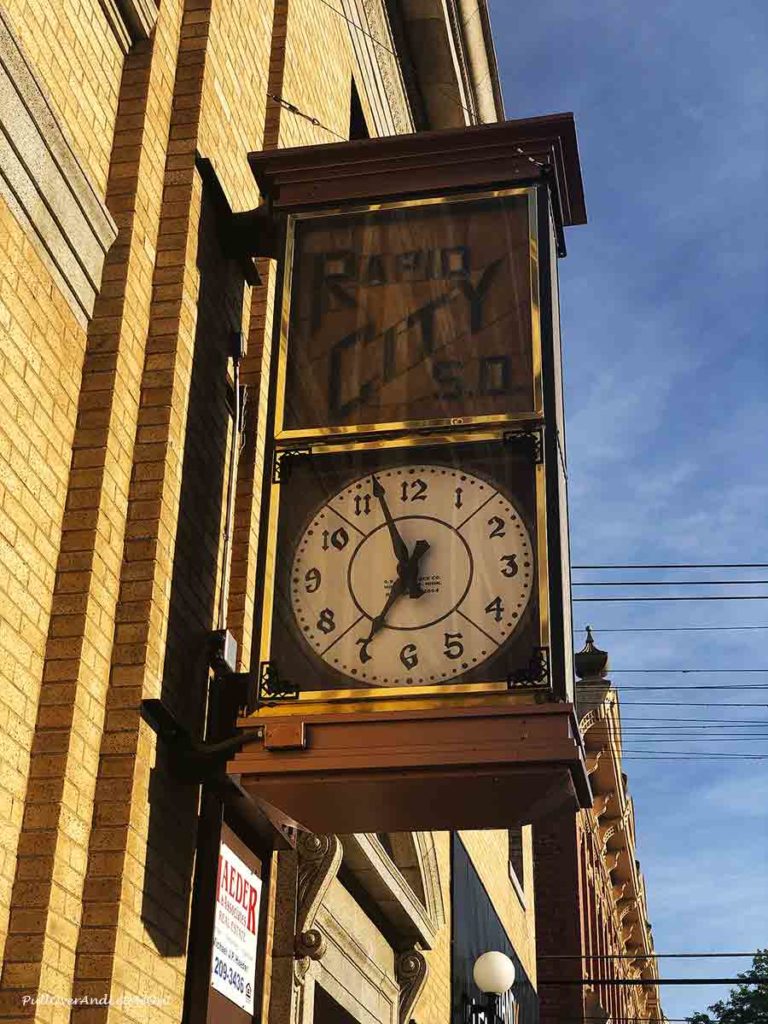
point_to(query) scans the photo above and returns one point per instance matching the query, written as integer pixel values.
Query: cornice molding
(45, 184)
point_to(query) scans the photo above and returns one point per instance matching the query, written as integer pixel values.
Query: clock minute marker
(472, 623)
(347, 521)
(341, 635)
(478, 509)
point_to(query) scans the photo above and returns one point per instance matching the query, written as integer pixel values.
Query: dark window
(516, 863)
(358, 129)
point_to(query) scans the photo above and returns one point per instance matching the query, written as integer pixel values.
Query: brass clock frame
(372, 697)
(283, 435)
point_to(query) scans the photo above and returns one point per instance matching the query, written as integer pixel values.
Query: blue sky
(664, 317)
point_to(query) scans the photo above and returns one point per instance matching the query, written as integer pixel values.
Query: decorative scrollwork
(529, 442)
(285, 461)
(411, 972)
(310, 944)
(535, 673)
(272, 687)
(319, 861)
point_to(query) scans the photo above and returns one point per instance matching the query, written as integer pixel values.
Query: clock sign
(411, 574)
(411, 313)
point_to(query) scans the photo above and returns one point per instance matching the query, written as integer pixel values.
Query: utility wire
(293, 109)
(693, 597)
(748, 980)
(679, 565)
(637, 956)
(686, 704)
(696, 686)
(706, 721)
(671, 629)
(690, 671)
(666, 583)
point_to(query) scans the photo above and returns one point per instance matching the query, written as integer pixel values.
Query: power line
(747, 980)
(693, 672)
(696, 686)
(707, 721)
(693, 597)
(695, 753)
(671, 629)
(638, 956)
(679, 565)
(665, 583)
(687, 704)
(293, 109)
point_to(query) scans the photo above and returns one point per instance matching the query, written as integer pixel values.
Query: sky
(665, 310)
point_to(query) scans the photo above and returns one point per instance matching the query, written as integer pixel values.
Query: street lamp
(494, 975)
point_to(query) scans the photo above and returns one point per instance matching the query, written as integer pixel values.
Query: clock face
(412, 575)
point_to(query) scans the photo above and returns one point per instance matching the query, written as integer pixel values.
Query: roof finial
(590, 662)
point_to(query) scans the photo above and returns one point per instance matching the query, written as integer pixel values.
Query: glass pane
(406, 566)
(409, 314)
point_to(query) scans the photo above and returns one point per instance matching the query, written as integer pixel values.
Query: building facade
(126, 542)
(591, 909)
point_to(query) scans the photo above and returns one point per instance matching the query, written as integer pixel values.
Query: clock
(411, 574)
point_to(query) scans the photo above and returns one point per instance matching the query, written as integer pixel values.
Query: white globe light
(494, 972)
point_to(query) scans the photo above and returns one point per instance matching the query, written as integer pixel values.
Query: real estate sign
(235, 937)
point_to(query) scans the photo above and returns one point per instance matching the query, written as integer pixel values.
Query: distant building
(591, 912)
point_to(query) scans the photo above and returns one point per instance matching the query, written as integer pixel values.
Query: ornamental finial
(590, 662)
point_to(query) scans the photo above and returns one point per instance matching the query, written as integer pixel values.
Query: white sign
(235, 935)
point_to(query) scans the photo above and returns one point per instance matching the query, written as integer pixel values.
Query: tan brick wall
(42, 352)
(434, 1003)
(317, 77)
(79, 61)
(489, 852)
(40, 955)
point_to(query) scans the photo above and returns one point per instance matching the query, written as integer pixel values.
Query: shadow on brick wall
(199, 535)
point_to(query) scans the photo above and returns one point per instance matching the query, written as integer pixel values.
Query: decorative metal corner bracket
(535, 673)
(529, 442)
(272, 687)
(285, 460)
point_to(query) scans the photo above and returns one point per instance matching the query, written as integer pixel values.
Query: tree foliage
(746, 1004)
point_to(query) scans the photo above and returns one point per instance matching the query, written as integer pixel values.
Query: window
(516, 861)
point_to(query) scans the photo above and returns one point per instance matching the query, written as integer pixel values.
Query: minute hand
(401, 551)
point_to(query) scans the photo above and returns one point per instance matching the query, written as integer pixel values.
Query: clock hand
(399, 545)
(406, 574)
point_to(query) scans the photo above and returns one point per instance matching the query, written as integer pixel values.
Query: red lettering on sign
(252, 908)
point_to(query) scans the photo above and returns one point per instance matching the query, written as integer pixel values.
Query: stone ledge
(45, 185)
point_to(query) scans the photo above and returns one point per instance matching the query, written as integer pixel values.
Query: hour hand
(407, 577)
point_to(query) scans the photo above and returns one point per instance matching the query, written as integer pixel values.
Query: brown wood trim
(425, 163)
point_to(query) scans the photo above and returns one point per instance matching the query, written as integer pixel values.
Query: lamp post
(494, 975)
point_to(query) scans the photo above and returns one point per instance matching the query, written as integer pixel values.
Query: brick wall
(559, 901)
(42, 353)
(79, 61)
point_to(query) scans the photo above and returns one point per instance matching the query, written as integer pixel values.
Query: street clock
(407, 514)
(412, 667)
